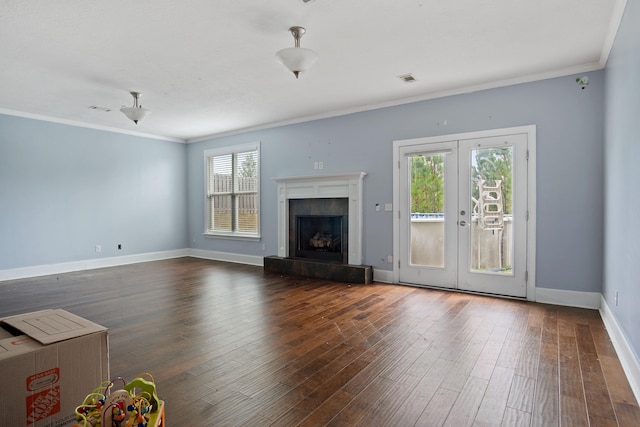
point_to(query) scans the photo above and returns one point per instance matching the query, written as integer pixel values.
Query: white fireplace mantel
(348, 185)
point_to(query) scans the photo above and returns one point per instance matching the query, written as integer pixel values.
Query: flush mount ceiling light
(135, 113)
(297, 59)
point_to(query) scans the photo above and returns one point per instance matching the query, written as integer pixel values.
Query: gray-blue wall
(64, 189)
(622, 177)
(570, 135)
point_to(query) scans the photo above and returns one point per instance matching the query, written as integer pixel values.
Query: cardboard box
(49, 361)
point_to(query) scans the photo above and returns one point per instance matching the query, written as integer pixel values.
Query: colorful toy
(136, 404)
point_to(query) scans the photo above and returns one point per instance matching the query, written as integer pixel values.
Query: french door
(463, 212)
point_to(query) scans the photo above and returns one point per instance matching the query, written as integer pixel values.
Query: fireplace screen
(319, 237)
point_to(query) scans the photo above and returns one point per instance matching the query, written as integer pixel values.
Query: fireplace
(319, 237)
(320, 228)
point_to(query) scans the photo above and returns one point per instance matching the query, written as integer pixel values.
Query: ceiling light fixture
(297, 59)
(135, 113)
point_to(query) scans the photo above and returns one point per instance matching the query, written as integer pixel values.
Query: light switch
(388, 207)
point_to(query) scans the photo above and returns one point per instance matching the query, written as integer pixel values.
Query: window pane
(222, 219)
(247, 172)
(248, 213)
(221, 178)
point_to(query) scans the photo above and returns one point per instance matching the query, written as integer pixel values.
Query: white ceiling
(207, 67)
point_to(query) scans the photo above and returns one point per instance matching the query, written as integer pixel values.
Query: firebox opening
(319, 237)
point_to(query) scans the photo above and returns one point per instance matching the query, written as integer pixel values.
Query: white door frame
(531, 192)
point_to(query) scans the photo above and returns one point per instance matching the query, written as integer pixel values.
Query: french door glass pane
(427, 210)
(492, 215)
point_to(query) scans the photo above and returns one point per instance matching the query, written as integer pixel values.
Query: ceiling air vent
(95, 107)
(407, 78)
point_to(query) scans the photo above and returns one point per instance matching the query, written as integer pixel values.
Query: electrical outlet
(315, 165)
(320, 165)
(389, 258)
(98, 248)
(264, 247)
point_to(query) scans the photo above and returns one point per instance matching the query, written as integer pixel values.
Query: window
(233, 191)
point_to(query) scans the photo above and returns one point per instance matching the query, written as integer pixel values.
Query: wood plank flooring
(232, 345)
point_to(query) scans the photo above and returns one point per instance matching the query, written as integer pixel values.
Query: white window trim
(235, 235)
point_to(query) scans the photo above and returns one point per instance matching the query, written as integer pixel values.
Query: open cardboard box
(49, 361)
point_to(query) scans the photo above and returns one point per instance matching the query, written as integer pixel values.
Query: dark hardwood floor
(231, 345)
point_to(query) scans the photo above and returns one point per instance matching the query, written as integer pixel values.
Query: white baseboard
(384, 276)
(226, 256)
(542, 295)
(88, 264)
(628, 359)
(568, 298)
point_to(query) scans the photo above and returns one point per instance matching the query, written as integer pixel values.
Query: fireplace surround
(314, 191)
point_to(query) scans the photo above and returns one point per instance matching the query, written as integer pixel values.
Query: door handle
(463, 223)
